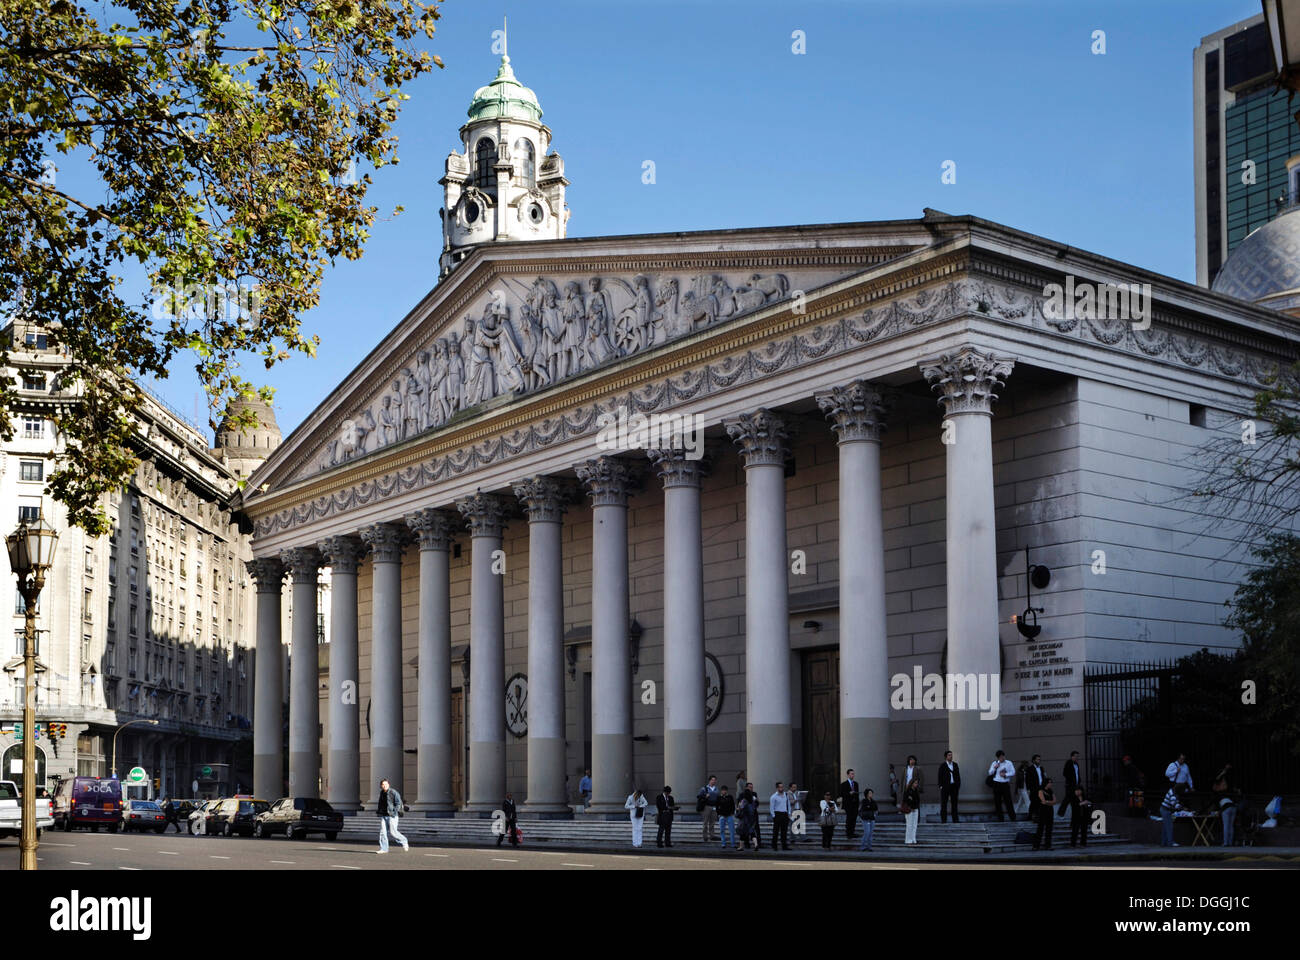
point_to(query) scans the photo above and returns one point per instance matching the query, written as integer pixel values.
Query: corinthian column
(685, 756)
(543, 499)
(769, 751)
(607, 480)
(268, 715)
(966, 382)
(857, 414)
(304, 674)
(434, 747)
(344, 792)
(486, 515)
(386, 541)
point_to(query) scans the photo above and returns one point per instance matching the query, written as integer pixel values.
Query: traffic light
(157, 784)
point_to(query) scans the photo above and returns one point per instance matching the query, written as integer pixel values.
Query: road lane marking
(128, 868)
(80, 863)
(124, 849)
(169, 853)
(51, 843)
(340, 866)
(621, 856)
(577, 864)
(503, 860)
(289, 862)
(443, 855)
(213, 856)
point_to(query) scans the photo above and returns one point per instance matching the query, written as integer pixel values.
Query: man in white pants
(389, 809)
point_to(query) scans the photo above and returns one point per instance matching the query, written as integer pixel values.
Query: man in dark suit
(665, 804)
(1034, 778)
(512, 822)
(850, 798)
(949, 785)
(1073, 776)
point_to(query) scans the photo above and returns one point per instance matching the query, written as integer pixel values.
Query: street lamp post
(31, 553)
(113, 768)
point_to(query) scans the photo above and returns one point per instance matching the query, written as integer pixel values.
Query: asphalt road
(80, 850)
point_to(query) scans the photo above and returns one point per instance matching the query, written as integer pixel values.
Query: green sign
(206, 771)
(137, 775)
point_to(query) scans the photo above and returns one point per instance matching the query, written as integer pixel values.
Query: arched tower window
(485, 158)
(527, 158)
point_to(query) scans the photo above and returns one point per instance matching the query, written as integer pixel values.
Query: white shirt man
(779, 802)
(1180, 774)
(1002, 771)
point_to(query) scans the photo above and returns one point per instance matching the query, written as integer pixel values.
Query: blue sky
(1094, 151)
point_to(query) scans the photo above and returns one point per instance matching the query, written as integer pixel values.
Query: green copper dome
(505, 97)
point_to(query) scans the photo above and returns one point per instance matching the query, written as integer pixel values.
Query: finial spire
(505, 37)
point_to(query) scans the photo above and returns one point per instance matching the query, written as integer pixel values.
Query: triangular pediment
(498, 329)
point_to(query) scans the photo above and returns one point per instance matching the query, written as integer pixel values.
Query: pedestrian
(1034, 777)
(756, 823)
(1227, 803)
(827, 820)
(1080, 816)
(726, 818)
(1179, 774)
(584, 790)
(389, 808)
(706, 805)
(778, 805)
(867, 812)
(949, 785)
(850, 795)
(1046, 798)
(893, 786)
(172, 814)
(511, 821)
(796, 805)
(911, 805)
(747, 815)
(1073, 776)
(1022, 790)
(665, 804)
(1168, 807)
(740, 785)
(1135, 784)
(635, 806)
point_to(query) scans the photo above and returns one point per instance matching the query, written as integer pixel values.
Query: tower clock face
(517, 705)
(536, 214)
(471, 211)
(713, 688)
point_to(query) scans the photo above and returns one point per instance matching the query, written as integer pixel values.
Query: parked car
(298, 816)
(143, 815)
(201, 817)
(234, 815)
(11, 810)
(89, 802)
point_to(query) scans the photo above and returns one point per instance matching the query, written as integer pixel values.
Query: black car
(234, 815)
(299, 816)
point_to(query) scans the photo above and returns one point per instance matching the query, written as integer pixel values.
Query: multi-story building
(1245, 131)
(145, 634)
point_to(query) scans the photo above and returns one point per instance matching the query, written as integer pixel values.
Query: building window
(87, 611)
(485, 174)
(33, 381)
(33, 428)
(20, 605)
(131, 625)
(527, 159)
(90, 559)
(37, 341)
(31, 470)
(29, 514)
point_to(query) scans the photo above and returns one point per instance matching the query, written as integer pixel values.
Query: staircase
(959, 838)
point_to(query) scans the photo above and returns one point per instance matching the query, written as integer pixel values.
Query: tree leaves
(220, 156)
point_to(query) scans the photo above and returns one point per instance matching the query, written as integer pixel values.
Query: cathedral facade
(762, 500)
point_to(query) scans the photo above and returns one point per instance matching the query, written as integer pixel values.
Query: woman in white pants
(635, 806)
(911, 780)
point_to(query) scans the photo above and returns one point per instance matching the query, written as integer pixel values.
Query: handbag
(904, 809)
(639, 812)
(989, 781)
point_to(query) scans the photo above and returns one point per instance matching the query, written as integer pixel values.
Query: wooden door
(821, 721)
(458, 748)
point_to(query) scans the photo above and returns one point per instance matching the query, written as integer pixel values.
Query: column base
(769, 756)
(268, 775)
(476, 812)
(864, 749)
(432, 810)
(546, 811)
(349, 808)
(386, 763)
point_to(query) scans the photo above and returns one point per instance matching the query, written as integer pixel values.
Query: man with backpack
(389, 808)
(706, 805)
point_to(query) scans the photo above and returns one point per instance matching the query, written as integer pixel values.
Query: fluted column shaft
(966, 382)
(304, 674)
(268, 690)
(607, 480)
(433, 745)
(685, 754)
(768, 734)
(486, 516)
(386, 734)
(543, 499)
(857, 415)
(344, 789)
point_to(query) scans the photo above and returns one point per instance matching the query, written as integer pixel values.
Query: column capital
(303, 562)
(485, 513)
(607, 479)
(386, 541)
(676, 469)
(343, 554)
(856, 410)
(762, 437)
(267, 573)
(432, 528)
(967, 380)
(544, 498)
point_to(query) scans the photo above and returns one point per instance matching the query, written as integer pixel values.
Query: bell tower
(504, 185)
